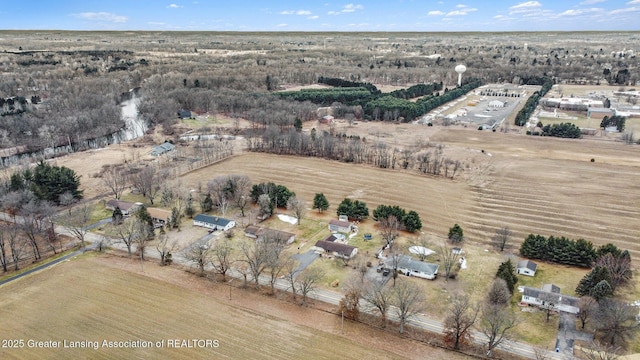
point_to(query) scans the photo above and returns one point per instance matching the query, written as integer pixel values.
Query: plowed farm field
(535, 185)
(106, 308)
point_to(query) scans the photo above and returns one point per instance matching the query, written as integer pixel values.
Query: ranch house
(527, 267)
(408, 266)
(260, 233)
(213, 222)
(549, 295)
(332, 248)
(159, 216)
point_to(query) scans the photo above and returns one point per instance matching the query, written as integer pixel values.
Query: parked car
(386, 272)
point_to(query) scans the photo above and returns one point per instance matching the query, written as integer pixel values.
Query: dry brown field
(110, 298)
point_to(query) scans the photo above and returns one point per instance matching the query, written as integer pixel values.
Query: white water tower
(460, 69)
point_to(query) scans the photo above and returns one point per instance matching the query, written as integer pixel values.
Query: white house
(260, 233)
(408, 266)
(527, 267)
(213, 222)
(341, 226)
(336, 249)
(550, 295)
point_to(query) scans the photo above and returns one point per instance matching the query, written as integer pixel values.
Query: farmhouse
(408, 266)
(162, 149)
(260, 233)
(549, 295)
(332, 248)
(213, 222)
(126, 207)
(159, 216)
(527, 267)
(341, 226)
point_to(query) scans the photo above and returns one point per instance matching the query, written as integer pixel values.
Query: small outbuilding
(527, 267)
(163, 149)
(213, 222)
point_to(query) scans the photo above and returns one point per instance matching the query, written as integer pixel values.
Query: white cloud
(352, 8)
(576, 12)
(591, 2)
(174, 6)
(349, 8)
(525, 7)
(313, 17)
(633, 2)
(463, 10)
(435, 13)
(101, 16)
(626, 10)
(295, 12)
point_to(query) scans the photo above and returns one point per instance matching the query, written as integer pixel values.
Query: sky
(287, 15)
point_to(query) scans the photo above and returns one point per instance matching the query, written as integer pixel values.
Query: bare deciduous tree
(221, 257)
(588, 306)
(496, 323)
(498, 293)
(378, 296)
(298, 206)
(460, 318)
(125, 232)
(115, 180)
(17, 245)
(291, 271)
(307, 281)
(165, 247)
(76, 222)
(449, 259)
(4, 247)
(501, 237)
(408, 300)
(389, 228)
(616, 322)
(199, 255)
(618, 267)
(422, 243)
(255, 255)
(35, 219)
(148, 182)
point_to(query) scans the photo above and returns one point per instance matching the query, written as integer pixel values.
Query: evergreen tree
(507, 272)
(147, 220)
(601, 290)
(320, 202)
(117, 217)
(207, 203)
(589, 281)
(456, 234)
(412, 222)
(189, 210)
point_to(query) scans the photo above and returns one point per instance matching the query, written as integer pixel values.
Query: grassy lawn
(332, 270)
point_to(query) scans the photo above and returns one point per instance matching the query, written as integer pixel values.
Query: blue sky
(284, 15)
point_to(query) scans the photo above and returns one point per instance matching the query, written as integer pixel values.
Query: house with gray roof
(409, 266)
(213, 222)
(549, 295)
(333, 248)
